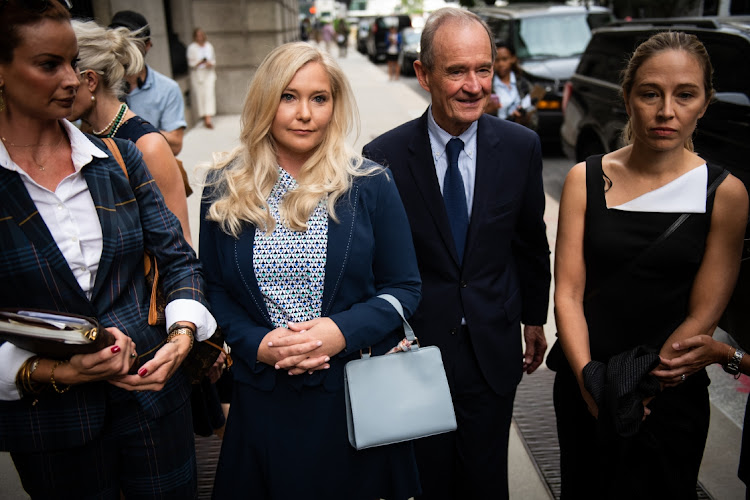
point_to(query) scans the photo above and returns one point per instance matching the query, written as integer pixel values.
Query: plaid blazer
(34, 273)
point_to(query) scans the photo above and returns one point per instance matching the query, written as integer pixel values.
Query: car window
(552, 36)
(500, 27)
(606, 56)
(412, 37)
(725, 52)
(389, 22)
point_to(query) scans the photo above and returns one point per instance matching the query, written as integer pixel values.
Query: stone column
(242, 33)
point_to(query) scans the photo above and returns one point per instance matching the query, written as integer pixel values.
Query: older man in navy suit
(472, 188)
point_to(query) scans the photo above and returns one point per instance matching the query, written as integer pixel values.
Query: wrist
(182, 334)
(732, 364)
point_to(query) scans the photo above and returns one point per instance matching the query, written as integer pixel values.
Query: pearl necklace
(115, 123)
(120, 121)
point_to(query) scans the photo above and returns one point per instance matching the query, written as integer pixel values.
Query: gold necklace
(9, 143)
(38, 164)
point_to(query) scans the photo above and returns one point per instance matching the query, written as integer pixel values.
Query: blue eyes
(318, 99)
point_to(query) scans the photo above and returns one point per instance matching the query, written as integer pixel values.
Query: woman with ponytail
(648, 250)
(106, 58)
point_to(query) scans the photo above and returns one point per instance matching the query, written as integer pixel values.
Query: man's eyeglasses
(38, 5)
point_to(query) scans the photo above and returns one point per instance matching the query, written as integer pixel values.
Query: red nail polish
(142, 372)
(115, 349)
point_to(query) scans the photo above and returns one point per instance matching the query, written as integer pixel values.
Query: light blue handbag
(397, 397)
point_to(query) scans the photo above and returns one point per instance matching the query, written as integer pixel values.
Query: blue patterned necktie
(454, 197)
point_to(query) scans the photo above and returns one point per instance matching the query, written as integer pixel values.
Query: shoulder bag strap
(116, 154)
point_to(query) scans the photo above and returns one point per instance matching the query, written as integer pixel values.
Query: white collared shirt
(467, 159)
(70, 215)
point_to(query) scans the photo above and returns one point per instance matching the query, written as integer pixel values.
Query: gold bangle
(23, 378)
(181, 330)
(52, 378)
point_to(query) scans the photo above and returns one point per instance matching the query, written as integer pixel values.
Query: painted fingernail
(309, 372)
(270, 344)
(327, 359)
(320, 343)
(115, 349)
(142, 372)
(276, 366)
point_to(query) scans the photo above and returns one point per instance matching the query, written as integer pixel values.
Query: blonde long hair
(242, 180)
(112, 53)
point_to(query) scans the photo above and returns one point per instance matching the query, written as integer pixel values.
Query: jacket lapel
(100, 186)
(422, 168)
(486, 182)
(19, 205)
(340, 236)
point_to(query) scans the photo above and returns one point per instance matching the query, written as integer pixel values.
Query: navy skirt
(292, 443)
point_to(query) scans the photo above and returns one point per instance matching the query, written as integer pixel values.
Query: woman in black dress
(617, 290)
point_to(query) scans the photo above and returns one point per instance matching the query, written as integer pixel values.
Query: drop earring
(93, 98)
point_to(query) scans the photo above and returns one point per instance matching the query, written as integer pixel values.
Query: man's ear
(422, 75)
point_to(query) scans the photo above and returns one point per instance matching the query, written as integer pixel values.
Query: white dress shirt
(71, 218)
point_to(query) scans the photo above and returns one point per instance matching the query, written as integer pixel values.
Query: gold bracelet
(52, 378)
(23, 378)
(181, 330)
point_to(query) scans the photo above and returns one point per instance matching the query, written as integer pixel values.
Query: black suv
(595, 113)
(379, 28)
(548, 40)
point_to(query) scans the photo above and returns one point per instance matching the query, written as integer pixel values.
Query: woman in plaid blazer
(73, 230)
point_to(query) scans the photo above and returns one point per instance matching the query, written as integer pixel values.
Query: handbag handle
(408, 331)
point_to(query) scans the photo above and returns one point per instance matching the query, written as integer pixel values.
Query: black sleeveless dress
(135, 128)
(626, 305)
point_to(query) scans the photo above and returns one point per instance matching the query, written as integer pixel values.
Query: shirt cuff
(194, 312)
(11, 359)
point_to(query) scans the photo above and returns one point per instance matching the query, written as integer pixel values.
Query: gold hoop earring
(2, 101)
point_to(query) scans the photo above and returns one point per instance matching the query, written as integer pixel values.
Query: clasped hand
(302, 347)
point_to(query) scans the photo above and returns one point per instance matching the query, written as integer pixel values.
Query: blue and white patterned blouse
(290, 265)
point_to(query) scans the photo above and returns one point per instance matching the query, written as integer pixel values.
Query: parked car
(363, 31)
(595, 113)
(410, 38)
(548, 40)
(376, 39)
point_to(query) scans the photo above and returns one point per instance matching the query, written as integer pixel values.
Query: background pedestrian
(202, 63)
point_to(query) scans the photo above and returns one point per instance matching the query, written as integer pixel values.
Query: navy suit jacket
(34, 273)
(505, 274)
(369, 253)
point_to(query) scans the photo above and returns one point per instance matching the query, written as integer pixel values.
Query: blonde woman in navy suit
(299, 235)
(73, 229)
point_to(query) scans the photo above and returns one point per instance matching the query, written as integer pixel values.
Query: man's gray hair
(443, 16)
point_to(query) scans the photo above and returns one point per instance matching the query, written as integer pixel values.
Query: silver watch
(733, 364)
